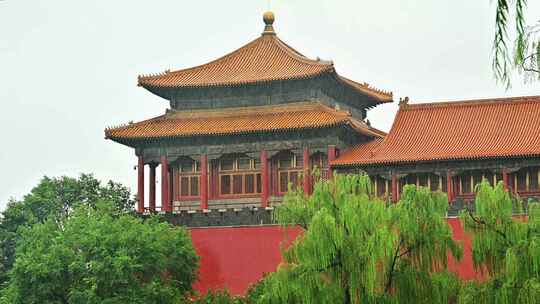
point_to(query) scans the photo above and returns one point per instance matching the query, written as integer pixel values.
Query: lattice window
(189, 175)
(319, 162)
(239, 175)
(289, 171)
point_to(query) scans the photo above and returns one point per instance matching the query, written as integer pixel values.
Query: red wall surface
(236, 257)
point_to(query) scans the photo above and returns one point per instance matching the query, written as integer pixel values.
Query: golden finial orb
(269, 18)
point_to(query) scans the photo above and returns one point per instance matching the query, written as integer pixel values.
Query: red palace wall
(236, 257)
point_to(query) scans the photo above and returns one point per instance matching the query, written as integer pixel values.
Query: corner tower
(243, 127)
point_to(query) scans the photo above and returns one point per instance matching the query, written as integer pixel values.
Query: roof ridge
(131, 123)
(473, 102)
(388, 135)
(293, 53)
(366, 86)
(233, 52)
(297, 55)
(359, 124)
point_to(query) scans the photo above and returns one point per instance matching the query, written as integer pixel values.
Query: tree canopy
(506, 247)
(98, 255)
(358, 249)
(54, 199)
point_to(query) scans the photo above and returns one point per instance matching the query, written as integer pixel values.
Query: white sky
(68, 68)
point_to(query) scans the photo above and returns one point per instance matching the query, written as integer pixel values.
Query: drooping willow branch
(503, 60)
(393, 265)
(483, 223)
(530, 69)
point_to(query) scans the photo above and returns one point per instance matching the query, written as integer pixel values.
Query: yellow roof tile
(503, 127)
(301, 115)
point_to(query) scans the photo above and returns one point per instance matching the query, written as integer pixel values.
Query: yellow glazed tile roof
(301, 115)
(476, 129)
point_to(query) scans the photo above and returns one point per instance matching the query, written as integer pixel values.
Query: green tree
(54, 198)
(357, 249)
(523, 53)
(97, 256)
(220, 297)
(506, 248)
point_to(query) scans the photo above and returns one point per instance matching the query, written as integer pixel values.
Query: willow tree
(357, 249)
(505, 247)
(521, 54)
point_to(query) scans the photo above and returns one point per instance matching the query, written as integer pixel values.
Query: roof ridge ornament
(268, 18)
(403, 102)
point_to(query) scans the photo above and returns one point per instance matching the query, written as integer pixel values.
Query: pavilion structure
(242, 128)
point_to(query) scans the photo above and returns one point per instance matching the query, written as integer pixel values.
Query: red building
(452, 146)
(243, 127)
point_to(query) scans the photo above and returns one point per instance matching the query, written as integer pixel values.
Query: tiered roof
(477, 129)
(230, 121)
(264, 59)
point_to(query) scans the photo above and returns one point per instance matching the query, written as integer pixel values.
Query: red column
(395, 190)
(152, 188)
(171, 187)
(449, 186)
(214, 186)
(140, 185)
(211, 181)
(307, 175)
(505, 179)
(331, 157)
(265, 187)
(165, 201)
(203, 182)
(175, 184)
